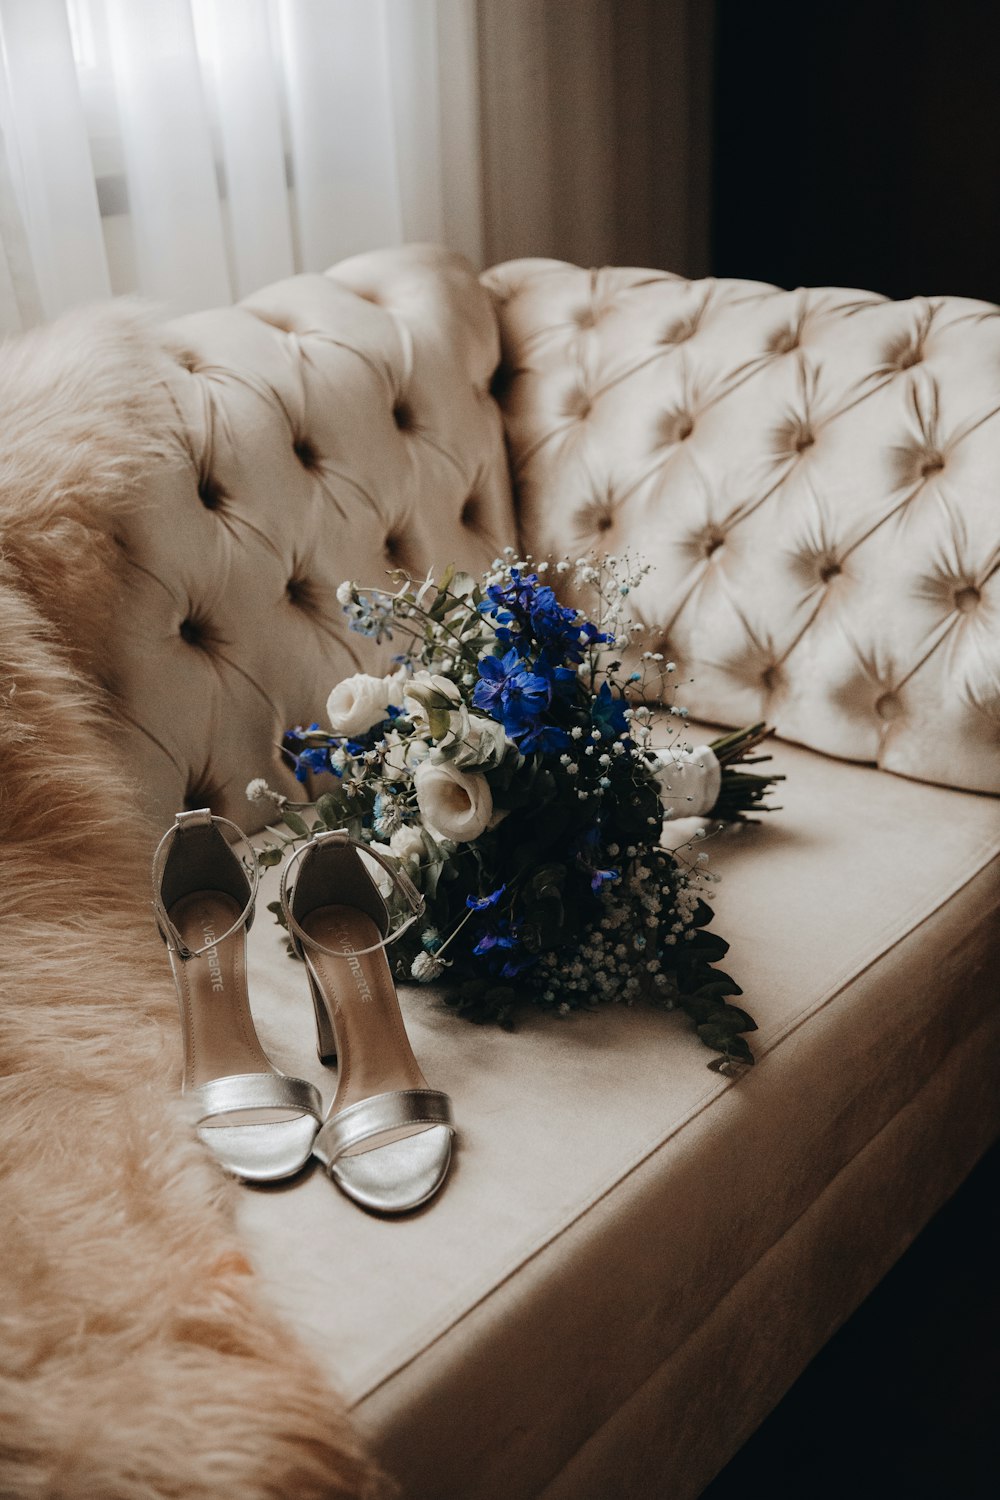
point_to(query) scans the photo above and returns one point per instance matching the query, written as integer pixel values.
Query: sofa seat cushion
(609, 1190)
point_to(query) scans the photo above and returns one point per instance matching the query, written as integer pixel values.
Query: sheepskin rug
(136, 1359)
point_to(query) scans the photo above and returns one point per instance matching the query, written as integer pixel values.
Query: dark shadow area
(905, 1399)
(857, 144)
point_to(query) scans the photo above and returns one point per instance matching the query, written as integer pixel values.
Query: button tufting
(711, 541)
(469, 514)
(402, 415)
(192, 632)
(888, 707)
(305, 453)
(678, 333)
(967, 598)
(783, 342)
(299, 593)
(804, 440)
(501, 382)
(586, 317)
(769, 678)
(933, 464)
(187, 359)
(210, 492)
(829, 568)
(393, 548)
(675, 427)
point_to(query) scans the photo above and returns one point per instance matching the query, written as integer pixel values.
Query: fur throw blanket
(136, 1359)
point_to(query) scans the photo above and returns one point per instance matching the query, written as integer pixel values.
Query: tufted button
(402, 415)
(674, 427)
(829, 568)
(586, 317)
(711, 541)
(305, 453)
(469, 514)
(903, 352)
(678, 333)
(501, 381)
(579, 405)
(783, 342)
(805, 440)
(393, 548)
(967, 598)
(192, 632)
(187, 359)
(888, 707)
(932, 463)
(298, 592)
(769, 678)
(210, 492)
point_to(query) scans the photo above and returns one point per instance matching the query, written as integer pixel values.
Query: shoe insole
(219, 1035)
(373, 1051)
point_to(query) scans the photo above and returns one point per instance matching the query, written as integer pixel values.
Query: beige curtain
(595, 120)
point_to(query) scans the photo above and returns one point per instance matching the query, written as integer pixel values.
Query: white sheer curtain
(193, 150)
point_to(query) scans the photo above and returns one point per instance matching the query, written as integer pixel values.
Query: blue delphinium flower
(315, 758)
(510, 692)
(483, 903)
(607, 713)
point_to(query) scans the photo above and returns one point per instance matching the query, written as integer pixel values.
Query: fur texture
(137, 1360)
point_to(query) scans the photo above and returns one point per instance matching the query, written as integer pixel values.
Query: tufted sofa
(634, 1257)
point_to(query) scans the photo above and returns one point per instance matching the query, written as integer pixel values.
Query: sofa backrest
(814, 476)
(330, 427)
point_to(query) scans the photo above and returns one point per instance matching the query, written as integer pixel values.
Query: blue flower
(546, 739)
(510, 693)
(481, 903)
(607, 713)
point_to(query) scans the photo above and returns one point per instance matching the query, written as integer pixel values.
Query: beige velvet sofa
(634, 1257)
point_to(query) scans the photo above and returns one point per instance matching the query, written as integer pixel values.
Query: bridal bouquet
(508, 765)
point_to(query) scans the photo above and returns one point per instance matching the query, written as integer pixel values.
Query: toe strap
(223, 1096)
(378, 1115)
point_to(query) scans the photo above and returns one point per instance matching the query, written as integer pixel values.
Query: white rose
(407, 843)
(357, 703)
(457, 804)
(690, 781)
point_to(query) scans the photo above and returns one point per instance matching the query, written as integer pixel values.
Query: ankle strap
(402, 882)
(199, 818)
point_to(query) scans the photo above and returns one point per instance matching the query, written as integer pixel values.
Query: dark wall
(858, 144)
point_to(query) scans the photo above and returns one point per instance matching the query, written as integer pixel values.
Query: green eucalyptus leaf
(296, 823)
(268, 858)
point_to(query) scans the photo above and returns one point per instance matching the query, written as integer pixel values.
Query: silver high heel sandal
(259, 1123)
(387, 1138)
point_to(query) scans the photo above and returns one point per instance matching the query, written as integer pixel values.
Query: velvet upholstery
(633, 1257)
(613, 1201)
(811, 475)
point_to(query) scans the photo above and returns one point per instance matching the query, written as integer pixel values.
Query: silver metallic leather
(377, 1116)
(221, 1096)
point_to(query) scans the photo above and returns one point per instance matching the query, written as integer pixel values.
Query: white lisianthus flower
(689, 781)
(407, 844)
(483, 744)
(437, 709)
(456, 804)
(402, 756)
(357, 703)
(396, 684)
